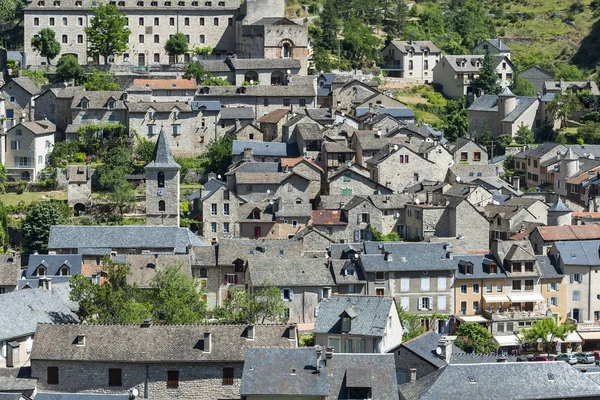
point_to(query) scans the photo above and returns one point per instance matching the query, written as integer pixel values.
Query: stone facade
(223, 222)
(18, 101)
(406, 360)
(354, 92)
(55, 104)
(350, 183)
(79, 186)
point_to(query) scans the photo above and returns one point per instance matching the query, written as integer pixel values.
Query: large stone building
(255, 28)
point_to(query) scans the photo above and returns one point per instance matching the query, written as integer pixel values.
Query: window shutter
(291, 294)
(321, 292)
(441, 303)
(405, 303)
(580, 278)
(358, 218)
(549, 301)
(557, 286)
(28, 344)
(282, 295)
(572, 278)
(549, 286)
(557, 302)
(404, 284)
(442, 283)
(357, 234)
(316, 311)
(431, 303)
(235, 279)
(580, 315)
(420, 303)
(425, 284)
(225, 280)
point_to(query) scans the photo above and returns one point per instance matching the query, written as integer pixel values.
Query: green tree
(4, 238)
(9, 10)
(259, 306)
(456, 120)
(473, 337)
(547, 331)
(144, 151)
(68, 69)
(108, 34)
(524, 135)
(569, 72)
(217, 157)
(197, 71)
(36, 226)
(3, 178)
(411, 323)
(521, 87)
(329, 26)
(485, 139)
(100, 80)
(120, 192)
(488, 78)
(176, 45)
(359, 42)
(509, 163)
(214, 81)
(176, 298)
(563, 105)
(46, 44)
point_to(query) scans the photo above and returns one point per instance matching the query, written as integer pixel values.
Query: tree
(547, 332)
(68, 69)
(563, 105)
(197, 71)
(569, 73)
(108, 34)
(456, 120)
(144, 151)
(175, 298)
(3, 178)
(176, 45)
(218, 155)
(46, 44)
(485, 139)
(120, 192)
(4, 238)
(329, 25)
(473, 337)
(411, 323)
(488, 78)
(524, 135)
(522, 87)
(214, 81)
(9, 10)
(100, 80)
(256, 307)
(36, 227)
(359, 42)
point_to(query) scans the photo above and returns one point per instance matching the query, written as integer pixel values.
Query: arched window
(41, 271)
(286, 50)
(161, 205)
(161, 179)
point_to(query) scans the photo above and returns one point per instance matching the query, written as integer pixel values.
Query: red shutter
(235, 279)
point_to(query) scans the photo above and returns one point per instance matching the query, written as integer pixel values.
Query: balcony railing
(513, 315)
(588, 326)
(395, 67)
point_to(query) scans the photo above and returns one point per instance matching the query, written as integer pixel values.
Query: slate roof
(292, 162)
(208, 105)
(527, 381)
(264, 167)
(540, 151)
(53, 263)
(26, 84)
(406, 257)
(496, 183)
(496, 43)
(391, 201)
(136, 344)
(66, 92)
(479, 272)
(237, 113)
(455, 62)
(265, 148)
(523, 104)
(42, 127)
(24, 309)
(258, 91)
(290, 271)
(10, 271)
(162, 158)
(395, 112)
(559, 206)
(274, 116)
(579, 252)
(81, 396)
(102, 238)
(264, 63)
(98, 99)
(418, 46)
(163, 106)
(11, 396)
(553, 86)
(283, 372)
(309, 131)
(549, 269)
(584, 150)
(377, 371)
(168, 84)
(424, 346)
(17, 379)
(371, 314)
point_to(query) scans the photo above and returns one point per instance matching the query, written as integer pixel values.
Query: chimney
(248, 154)
(328, 358)
(444, 349)
(319, 351)
(207, 342)
(292, 332)
(413, 374)
(388, 256)
(146, 324)
(212, 175)
(251, 332)
(46, 283)
(450, 254)
(238, 124)
(499, 42)
(591, 175)
(516, 182)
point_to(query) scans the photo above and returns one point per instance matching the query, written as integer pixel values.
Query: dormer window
(84, 104)
(65, 270)
(204, 90)
(151, 115)
(349, 270)
(111, 104)
(516, 266)
(493, 268)
(80, 340)
(256, 214)
(41, 271)
(529, 266)
(241, 90)
(208, 4)
(469, 269)
(346, 324)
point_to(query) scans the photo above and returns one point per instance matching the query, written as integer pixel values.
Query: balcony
(394, 66)
(512, 315)
(589, 326)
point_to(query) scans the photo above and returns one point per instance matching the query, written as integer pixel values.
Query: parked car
(522, 359)
(585, 357)
(541, 358)
(570, 358)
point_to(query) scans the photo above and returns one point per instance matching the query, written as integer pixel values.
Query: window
(64, 271)
(510, 327)
(266, 102)
(114, 377)
(202, 39)
(476, 288)
(52, 373)
(379, 291)
(553, 301)
(346, 324)
(156, 21)
(65, 21)
(151, 129)
(463, 289)
(15, 145)
(227, 376)
(216, 21)
(186, 21)
(79, 38)
(415, 177)
(577, 278)
(156, 40)
(500, 327)
(529, 284)
(65, 39)
(425, 303)
(441, 303)
(213, 227)
(172, 21)
(141, 21)
(294, 223)
(441, 285)
(488, 288)
(477, 156)
(335, 344)
(576, 295)
(172, 379)
(379, 276)
(286, 293)
(516, 286)
(302, 102)
(36, 21)
(176, 129)
(160, 177)
(225, 227)
(464, 156)
(161, 205)
(187, 38)
(201, 21)
(213, 209)
(141, 38)
(425, 284)
(529, 266)
(287, 102)
(475, 305)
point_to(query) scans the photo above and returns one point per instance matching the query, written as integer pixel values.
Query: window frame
(113, 378)
(228, 373)
(173, 379)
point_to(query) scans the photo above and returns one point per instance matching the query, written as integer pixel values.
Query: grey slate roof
(11, 396)
(27, 85)
(378, 371)
(497, 43)
(371, 314)
(162, 158)
(579, 252)
(258, 91)
(81, 396)
(208, 105)
(523, 380)
(237, 113)
(559, 206)
(396, 112)
(540, 151)
(17, 379)
(523, 103)
(101, 238)
(283, 372)
(22, 310)
(424, 346)
(417, 46)
(339, 251)
(290, 271)
(548, 269)
(406, 257)
(136, 344)
(479, 272)
(99, 99)
(53, 263)
(265, 63)
(265, 148)
(309, 131)
(585, 150)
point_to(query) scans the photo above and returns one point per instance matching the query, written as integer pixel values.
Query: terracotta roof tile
(167, 84)
(327, 217)
(575, 232)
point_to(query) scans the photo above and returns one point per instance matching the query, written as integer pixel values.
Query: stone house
(509, 218)
(182, 90)
(264, 70)
(199, 360)
(352, 181)
(415, 358)
(306, 168)
(469, 173)
(476, 195)
(454, 217)
(411, 60)
(543, 237)
(189, 128)
(582, 189)
(538, 76)
(393, 208)
(289, 132)
(262, 151)
(55, 105)
(344, 98)
(249, 132)
(455, 73)
(19, 94)
(377, 101)
(59, 268)
(494, 46)
(232, 119)
(336, 155)
(374, 120)
(530, 161)
(271, 123)
(303, 283)
(467, 151)
(358, 324)
(551, 87)
(309, 139)
(399, 167)
(10, 272)
(366, 144)
(272, 219)
(100, 107)
(420, 276)
(79, 187)
(290, 187)
(23, 311)
(348, 274)
(504, 114)
(28, 146)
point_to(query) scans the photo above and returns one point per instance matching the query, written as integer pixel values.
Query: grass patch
(13, 199)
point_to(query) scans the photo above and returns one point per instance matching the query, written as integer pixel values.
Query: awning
(525, 298)
(472, 318)
(589, 335)
(496, 299)
(572, 337)
(507, 340)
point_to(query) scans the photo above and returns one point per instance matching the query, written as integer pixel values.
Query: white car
(570, 358)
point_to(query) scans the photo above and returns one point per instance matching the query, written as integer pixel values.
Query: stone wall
(406, 360)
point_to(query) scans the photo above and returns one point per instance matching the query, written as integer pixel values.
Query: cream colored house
(26, 147)
(412, 60)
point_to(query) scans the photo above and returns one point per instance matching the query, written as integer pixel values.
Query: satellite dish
(288, 72)
(458, 179)
(417, 201)
(438, 351)
(269, 191)
(356, 256)
(322, 363)
(135, 392)
(252, 81)
(126, 59)
(395, 147)
(219, 176)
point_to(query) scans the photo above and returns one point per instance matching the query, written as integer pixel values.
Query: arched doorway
(251, 76)
(79, 208)
(25, 176)
(277, 78)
